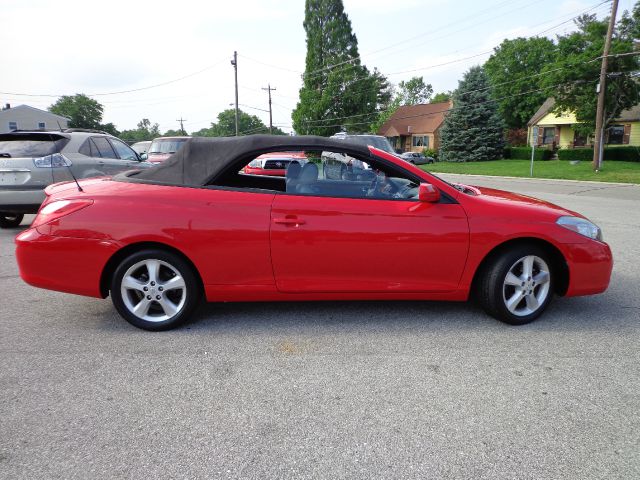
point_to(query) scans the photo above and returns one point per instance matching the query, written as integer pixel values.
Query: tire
(140, 294)
(517, 286)
(10, 220)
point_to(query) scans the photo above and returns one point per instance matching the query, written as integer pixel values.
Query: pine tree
(473, 130)
(337, 90)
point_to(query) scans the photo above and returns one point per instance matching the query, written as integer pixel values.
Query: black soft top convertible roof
(201, 161)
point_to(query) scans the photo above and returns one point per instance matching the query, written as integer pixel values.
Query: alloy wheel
(153, 290)
(526, 285)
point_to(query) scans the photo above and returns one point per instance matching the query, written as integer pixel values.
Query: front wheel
(10, 220)
(155, 290)
(517, 286)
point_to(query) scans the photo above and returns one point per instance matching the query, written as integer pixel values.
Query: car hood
(515, 202)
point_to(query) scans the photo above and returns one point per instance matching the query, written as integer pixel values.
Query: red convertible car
(159, 240)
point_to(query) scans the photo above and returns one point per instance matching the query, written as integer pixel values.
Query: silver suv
(32, 160)
(338, 165)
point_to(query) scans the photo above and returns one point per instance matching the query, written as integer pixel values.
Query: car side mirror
(143, 156)
(428, 193)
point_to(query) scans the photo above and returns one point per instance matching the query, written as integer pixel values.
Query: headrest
(309, 173)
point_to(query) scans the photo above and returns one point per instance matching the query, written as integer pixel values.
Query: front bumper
(21, 201)
(590, 265)
(72, 265)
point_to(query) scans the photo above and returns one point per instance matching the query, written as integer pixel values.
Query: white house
(24, 117)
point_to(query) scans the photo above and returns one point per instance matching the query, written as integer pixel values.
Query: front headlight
(581, 226)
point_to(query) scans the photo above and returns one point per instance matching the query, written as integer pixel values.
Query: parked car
(158, 240)
(275, 163)
(162, 148)
(31, 160)
(417, 158)
(337, 165)
(141, 147)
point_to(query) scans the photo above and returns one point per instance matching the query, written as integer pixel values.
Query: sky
(182, 50)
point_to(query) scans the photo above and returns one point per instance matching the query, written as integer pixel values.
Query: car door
(350, 242)
(99, 158)
(128, 158)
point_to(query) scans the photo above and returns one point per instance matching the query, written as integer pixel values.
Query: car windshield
(166, 146)
(16, 147)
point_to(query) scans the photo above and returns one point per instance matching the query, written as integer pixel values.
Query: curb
(528, 179)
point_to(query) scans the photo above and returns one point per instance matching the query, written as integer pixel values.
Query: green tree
(414, 91)
(109, 128)
(173, 133)
(337, 90)
(473, 128)
(145, 131)
(441, 97)
(513, 69)
(572, 78)
(226, 125)
(83, 112)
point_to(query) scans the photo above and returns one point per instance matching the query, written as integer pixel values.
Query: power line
(121, 91)
(346, 84)
(492, 100)
(350, 61)
(581, 12)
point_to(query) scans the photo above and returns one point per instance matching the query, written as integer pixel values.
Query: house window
(615, 135)
(421, 141)
(549, 135)
(41, 125)
(13, 126)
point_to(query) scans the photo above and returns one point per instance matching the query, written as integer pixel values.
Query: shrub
(623, 154)
(524, 153)
(430, 152)
(517, 137)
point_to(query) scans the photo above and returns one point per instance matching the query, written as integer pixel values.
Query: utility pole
(234, 62)
(270, 113)
(181, 126)
(602, 88)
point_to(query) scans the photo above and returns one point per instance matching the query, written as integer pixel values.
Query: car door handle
(289, 220)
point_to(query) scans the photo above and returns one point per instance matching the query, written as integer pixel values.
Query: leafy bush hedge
(524, 153)
(430, 152)
(624, 154)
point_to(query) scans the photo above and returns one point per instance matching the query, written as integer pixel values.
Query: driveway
(331, 390)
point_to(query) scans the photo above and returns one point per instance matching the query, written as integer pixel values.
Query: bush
(517, 137)
(430, 152)
(524, 153)
(623, 154)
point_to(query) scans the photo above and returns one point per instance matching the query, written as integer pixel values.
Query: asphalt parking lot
(331, 390)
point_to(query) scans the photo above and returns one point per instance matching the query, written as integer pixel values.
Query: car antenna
(66, 165)
(74, 178)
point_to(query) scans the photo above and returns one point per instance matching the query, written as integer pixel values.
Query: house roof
(27, 107)
(542, 111)
(630, 115)
(412, 119)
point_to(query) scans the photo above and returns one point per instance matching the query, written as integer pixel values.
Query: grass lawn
(612, 171)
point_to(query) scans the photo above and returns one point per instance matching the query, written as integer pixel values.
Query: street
(331, 390)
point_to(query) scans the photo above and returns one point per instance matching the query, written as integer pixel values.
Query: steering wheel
(382, 187)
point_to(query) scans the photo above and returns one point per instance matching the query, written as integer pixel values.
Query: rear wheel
(155, 290)
(10, 220)
(518, 285)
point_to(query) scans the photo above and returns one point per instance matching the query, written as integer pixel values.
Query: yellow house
(555, 130)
